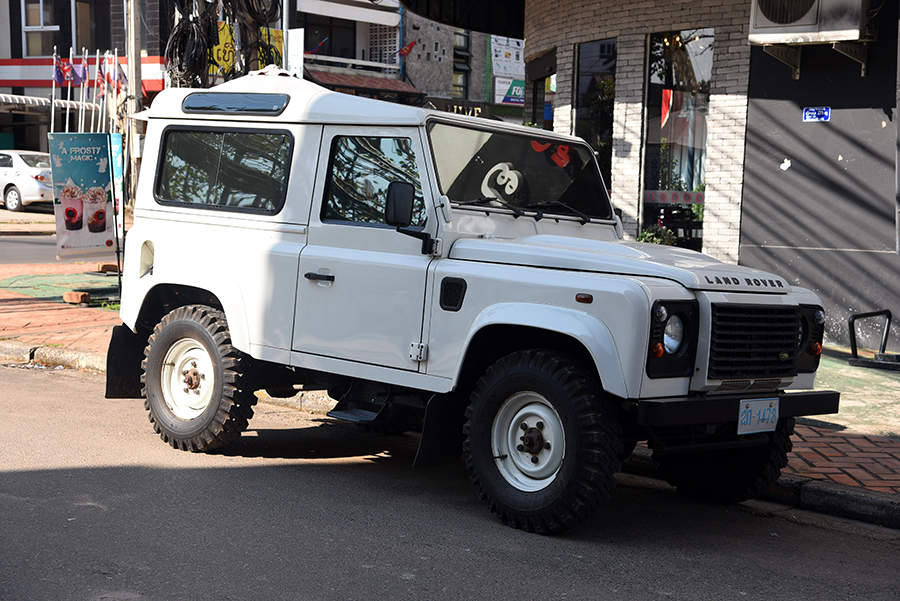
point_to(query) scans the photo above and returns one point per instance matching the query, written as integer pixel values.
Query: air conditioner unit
(808, 21)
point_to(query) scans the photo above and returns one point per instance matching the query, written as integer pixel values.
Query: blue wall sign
(817, 114)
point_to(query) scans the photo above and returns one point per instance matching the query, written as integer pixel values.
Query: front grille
(751, 341)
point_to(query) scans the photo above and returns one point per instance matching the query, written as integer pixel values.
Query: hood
(687, 267)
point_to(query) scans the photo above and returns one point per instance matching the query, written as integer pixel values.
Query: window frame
(43, 27)
(160, 164)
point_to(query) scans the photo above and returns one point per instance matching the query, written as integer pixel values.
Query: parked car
(25, 178)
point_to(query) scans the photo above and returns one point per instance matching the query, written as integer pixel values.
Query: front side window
(678, 84)
(530, 172)
(236, 170)
(362, 167)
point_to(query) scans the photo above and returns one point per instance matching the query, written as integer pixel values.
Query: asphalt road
(95, 507)
(18, 250)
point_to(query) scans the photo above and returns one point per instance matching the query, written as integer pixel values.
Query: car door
(362, 284)
(5, 171)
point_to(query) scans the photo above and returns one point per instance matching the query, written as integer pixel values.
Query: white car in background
(25, 178)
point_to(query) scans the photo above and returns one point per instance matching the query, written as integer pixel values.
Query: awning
(11, 103)
(366, 85)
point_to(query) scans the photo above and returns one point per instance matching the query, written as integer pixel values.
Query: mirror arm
(425, 237)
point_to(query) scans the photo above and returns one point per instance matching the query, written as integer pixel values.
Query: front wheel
(13, 200)
(543, 442)
(193, 381)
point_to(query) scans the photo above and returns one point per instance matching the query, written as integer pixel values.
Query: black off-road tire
(580, 463)
(193, 381)
(730, 476)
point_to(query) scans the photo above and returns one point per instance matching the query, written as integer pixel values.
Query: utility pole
(133, 128)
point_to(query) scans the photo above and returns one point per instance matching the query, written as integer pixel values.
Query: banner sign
(509, 91)
(507, 57)
(87, 170)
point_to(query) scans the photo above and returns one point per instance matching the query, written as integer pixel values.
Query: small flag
(319, 45)
(407, 49)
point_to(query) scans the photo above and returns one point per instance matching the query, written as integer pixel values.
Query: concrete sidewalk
(832, 468)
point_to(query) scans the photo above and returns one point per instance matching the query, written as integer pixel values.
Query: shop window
(596, 95)
(679, 70)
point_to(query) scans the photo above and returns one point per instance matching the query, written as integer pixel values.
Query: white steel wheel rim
(516, 461)
(187, 378)
(12, 199)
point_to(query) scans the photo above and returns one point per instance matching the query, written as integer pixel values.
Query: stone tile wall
(563, 24)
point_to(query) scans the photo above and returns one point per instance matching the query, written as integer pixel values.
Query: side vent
(453, 291)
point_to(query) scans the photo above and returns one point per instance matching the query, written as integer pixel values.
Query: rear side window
(229, 170)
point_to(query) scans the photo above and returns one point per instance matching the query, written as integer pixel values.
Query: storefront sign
(817, 114)
(86, 169)
(509, 91)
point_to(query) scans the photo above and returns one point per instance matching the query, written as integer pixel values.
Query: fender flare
(589, 331)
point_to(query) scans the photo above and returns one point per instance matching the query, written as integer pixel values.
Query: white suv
(459, 274)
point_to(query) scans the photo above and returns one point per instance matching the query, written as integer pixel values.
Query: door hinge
(418, 351)
(436, 247)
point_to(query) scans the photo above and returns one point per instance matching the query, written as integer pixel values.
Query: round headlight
(673, 336)
(819, 317)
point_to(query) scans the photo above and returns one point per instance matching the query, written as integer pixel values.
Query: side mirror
(398, 208)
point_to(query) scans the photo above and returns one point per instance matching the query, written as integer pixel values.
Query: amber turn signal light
(657, 350)
(815, 349)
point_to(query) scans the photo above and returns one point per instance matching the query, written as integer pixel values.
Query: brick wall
(562, 24)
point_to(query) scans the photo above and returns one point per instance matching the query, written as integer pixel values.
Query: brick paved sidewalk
(870, 462)
(47, 323)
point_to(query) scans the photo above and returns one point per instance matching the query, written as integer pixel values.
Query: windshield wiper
(556, 203)
(516, 211)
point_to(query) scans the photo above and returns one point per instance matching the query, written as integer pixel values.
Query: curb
(831, 498)
(20, 352)
(823, 496)
(27, 233)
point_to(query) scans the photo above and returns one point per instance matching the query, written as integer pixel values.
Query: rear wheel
(733, 475)
(13, 200)
(543, 442)
(193, 381)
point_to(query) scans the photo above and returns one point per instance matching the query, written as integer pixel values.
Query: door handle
(319, 277)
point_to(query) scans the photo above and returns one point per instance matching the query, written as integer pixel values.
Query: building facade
(705, 133)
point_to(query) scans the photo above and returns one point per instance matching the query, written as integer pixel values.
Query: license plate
(757, 416)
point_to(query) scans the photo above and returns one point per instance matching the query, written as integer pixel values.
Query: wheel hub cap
(528, 441)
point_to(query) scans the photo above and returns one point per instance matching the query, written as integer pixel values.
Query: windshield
(529, 172)
(40, 161)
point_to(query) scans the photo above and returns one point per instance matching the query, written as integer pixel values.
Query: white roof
(311, 103)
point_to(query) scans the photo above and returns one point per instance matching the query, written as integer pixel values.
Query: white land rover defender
(459, 275)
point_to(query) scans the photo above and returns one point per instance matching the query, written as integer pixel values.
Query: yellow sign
(223, 52)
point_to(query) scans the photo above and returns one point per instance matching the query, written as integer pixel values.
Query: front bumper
(680, 411)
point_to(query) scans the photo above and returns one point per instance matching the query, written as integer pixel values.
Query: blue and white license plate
(757, 416)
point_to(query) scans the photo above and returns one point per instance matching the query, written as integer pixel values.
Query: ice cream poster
(83, 194)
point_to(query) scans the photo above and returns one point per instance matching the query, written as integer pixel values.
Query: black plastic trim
(678, 411)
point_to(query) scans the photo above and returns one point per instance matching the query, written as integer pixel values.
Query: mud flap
(123, 364)
(442, 432)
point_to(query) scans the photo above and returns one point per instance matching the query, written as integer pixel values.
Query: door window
(361, 169)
